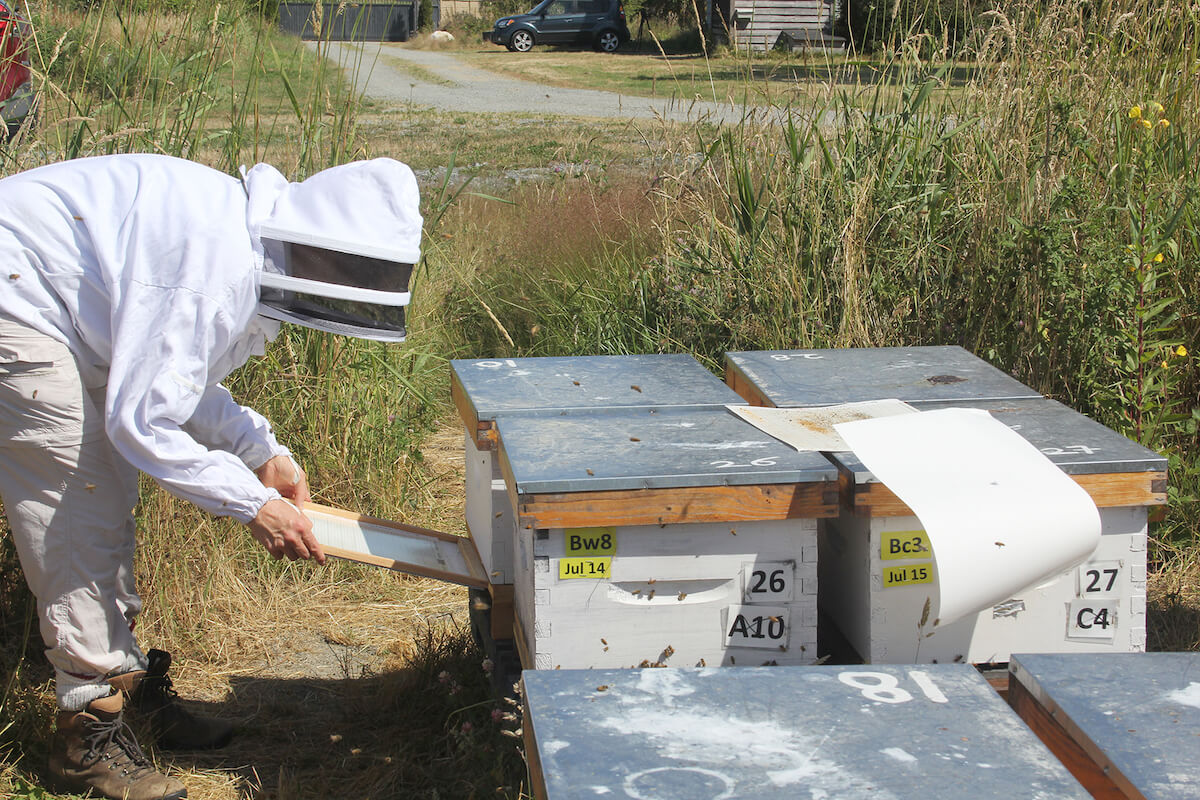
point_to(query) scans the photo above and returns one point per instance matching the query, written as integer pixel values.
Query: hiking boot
(95, 750)
(152, 698)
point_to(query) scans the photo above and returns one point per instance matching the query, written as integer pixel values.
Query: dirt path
(440, 80)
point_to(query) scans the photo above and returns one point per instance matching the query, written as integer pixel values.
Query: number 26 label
(768, 581)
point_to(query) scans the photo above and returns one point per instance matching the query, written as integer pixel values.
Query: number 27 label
(1099, 578)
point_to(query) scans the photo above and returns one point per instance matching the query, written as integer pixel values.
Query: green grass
(1019, 216)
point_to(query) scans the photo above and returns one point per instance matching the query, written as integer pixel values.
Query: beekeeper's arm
(222, 424)
(163, 341)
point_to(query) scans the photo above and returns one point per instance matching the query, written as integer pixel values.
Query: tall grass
(216, 84)
(1029, 216)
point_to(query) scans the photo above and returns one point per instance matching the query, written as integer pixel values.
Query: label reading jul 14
(589, 553)
(911, 545)
(594, 568)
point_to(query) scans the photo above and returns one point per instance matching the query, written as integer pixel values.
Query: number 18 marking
(885, 688)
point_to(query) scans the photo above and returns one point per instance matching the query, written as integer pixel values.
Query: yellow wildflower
(1158, 259)
(1181, 351)
(1147, 123)
(1164, 122)
(1164, 365)
(1157, 108)
(1135, 112)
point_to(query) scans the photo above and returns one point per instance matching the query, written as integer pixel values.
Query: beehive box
(804, 378)
(484, 389)
(662, 536)
(839, 733)
(1125, 725)
(876, 574)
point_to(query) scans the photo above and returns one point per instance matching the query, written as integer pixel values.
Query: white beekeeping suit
(129, 288)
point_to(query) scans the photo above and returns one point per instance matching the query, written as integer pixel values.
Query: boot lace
(112, 741)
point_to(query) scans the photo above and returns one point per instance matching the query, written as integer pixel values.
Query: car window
(559, 7)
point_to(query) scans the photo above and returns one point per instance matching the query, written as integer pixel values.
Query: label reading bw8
(590, 542)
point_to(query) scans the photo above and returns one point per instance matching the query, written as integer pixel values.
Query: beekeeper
(131, 286)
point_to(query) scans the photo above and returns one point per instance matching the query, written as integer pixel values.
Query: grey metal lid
(799, 378)
(1136, 714)
(648, 448)
(496, 386)
(759, 733)
(1077, 444)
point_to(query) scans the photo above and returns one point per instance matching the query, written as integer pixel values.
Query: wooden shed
(766, 24)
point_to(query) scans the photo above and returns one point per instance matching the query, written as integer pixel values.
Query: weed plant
(216, 84)
(1044, 216)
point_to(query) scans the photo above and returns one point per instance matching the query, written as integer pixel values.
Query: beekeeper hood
(338, 249)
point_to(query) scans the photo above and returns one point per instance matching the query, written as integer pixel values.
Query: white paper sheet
(999, 515)
(812, 428)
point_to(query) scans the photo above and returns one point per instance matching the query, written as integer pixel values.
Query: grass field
(1031, 217)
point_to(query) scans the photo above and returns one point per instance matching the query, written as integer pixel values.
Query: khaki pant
(68, 497)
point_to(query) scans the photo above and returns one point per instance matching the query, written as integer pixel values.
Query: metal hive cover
(1075, 443)
(1140, 712)
(753, 733)
(496, 386)
(648, 448)
(797, 378)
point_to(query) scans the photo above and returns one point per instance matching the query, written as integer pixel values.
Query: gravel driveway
(378, 71)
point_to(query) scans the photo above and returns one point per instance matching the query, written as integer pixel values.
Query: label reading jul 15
(905, 576)
(911, 545)
(589, 553)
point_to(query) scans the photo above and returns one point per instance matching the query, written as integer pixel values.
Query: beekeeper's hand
(284, 475)
(285, 531)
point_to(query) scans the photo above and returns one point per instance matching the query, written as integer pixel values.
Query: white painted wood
(669, 596)
(883, 624)
(394, 546)
(489, 514)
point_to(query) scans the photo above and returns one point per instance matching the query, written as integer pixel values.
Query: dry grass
(343, 681)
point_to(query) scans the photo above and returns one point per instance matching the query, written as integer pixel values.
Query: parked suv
(599, 23)
(16, 95)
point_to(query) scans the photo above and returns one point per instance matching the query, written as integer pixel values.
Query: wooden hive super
(662, 536)
(483, 389)
(876, 572)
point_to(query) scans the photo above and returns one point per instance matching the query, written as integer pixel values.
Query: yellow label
(594, 568)
(591, 541)
(906, 576)
(911, 545)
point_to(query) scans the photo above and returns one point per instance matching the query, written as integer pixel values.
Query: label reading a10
(756, 626)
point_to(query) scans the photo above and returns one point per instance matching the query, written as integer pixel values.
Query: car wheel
(521, 41)
(608, 42)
